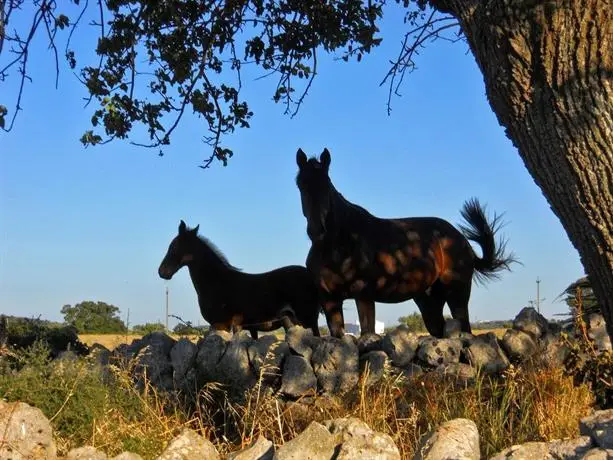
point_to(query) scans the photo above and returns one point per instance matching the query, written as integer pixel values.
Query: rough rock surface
(376, 362)
(127, 456)
(461, 371)
(531, 322)
(518, 345)
(358, 441)
(529, 450)
(599, 426)
(182, 358)
(298, 377)
(266, 357)
(455, 439)
(189, 445)
(261, 449)
(483, 352)
(314, 443)
(569, 448)
(335, 362)
(86, 453)
(400, 345)
(301, 341)
(434, 352)
(370, 342)
(26, 432)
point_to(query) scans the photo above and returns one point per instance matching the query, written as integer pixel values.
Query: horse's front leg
(334, 317)
(366, 313)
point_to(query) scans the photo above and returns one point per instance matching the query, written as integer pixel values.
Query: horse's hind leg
(366, 312)
(458, 295)
(431, 305)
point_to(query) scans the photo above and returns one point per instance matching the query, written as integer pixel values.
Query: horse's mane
(215, 250)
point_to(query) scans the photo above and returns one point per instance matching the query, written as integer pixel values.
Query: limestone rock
(455, 439)
(26, 432)
(189, 445)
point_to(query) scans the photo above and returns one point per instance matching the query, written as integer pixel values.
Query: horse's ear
(301, 159)
(182, 227)
(195, 229)
(325, 159)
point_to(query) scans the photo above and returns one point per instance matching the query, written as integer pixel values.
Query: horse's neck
(346, 213)
(210, 282)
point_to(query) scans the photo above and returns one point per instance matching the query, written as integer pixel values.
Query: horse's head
(180, 252)
(315, 192)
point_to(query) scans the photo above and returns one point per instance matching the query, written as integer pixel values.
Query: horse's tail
(483, 232)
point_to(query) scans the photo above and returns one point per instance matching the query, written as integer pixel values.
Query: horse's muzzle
(164, 273)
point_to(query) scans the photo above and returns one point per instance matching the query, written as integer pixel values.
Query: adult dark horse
(232, 300)
(355, 255)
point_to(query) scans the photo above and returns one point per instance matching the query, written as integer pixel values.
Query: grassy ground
(112, 340)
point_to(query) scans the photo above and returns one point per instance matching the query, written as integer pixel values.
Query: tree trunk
(548, 71)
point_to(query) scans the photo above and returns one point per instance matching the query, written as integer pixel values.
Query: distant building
(354, 328)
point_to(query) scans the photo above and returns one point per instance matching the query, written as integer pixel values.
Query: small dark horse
(355, 255)
(232, 300)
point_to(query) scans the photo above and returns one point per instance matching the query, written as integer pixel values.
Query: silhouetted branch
(413, 41)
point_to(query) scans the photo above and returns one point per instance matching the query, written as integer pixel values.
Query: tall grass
(524, 404)
(87, 405)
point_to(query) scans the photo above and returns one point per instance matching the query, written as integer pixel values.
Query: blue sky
(93, 224)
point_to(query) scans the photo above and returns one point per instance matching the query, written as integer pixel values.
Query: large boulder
(153, 365)
(483, 352)
(376, 362)
(531, 322)
(518, 345)
(159, 340)
(553, 351)
(455, 439)
(26, 432)
(266, 357)
(189, 445)
(298, 377)
(182, 358)
(301, 341)
(336, 365)
(400, 345)
(434, 352)
(358, 441)
(210, 351)
(234, 368)
(314, 443)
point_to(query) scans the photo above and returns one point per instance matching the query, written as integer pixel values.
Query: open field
(111, 341)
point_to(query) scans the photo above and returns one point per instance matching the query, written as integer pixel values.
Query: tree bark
(548, 71)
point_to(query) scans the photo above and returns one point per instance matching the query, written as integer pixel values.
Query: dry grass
(111, 341)
(523, 405)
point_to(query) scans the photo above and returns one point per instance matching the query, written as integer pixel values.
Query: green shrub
(88, 405)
